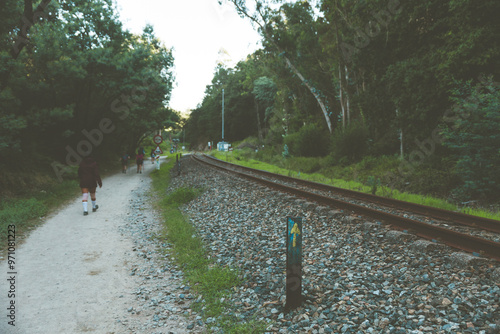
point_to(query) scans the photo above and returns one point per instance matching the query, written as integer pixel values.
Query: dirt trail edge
(100, 273)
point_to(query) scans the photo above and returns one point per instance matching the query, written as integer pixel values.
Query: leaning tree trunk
(313, 92)
(240, 7)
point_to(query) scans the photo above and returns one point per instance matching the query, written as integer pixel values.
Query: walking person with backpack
(124, 159)
(139, 159)
(88, 172)
(152, 155)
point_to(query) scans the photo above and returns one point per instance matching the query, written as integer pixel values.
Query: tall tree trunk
(341, 95)
(342, 88)
(401, 146)
(259, 128)
(348, 107)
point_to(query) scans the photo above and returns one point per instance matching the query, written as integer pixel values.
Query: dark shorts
(90, 190)
(140, 162)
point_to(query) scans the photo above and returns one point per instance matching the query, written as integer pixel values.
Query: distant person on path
(140, 160)
(124, 158)
(152, 154)
(88, 172)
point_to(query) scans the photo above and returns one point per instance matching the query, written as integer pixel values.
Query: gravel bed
(162, 300)
(358, 276)
(488, 235)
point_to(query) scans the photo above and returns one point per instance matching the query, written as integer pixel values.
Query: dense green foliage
(334, 78)
(474, 136)
(80, 85)
(308, 142)
(376, 76)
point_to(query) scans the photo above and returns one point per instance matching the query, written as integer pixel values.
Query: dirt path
(74, 273)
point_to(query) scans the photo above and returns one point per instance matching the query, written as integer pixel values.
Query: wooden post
(177, 162)
(293, 263)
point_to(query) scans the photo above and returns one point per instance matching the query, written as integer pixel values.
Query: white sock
(93, 204)
(85, 204)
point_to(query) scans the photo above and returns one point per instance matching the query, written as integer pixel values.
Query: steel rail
(436, 213)
(431, 232)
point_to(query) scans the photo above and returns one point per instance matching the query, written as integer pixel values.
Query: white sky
(196, 30)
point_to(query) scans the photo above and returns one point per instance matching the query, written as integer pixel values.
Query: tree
(474, 137)
(29, 18)
(264, 90)
(269, 22)
(79, 74)
(403, 58)
(389, 64)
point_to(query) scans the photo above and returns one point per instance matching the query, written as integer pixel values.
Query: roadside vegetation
(407, 104)
(211, 282)
(25, 212)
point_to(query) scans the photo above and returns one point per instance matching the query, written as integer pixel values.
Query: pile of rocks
(358, 276)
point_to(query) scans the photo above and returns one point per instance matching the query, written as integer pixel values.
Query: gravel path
(100, 273)
(358, 276)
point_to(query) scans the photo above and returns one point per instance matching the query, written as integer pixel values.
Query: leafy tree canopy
(80, 84)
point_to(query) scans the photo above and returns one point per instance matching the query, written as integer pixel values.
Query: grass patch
(213, 283)
(25, 211)
(481, 213)
(19, 212)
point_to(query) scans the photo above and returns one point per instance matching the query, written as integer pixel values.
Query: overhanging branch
(29, 18)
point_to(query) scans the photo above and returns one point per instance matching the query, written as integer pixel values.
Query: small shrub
(388, 144)
(443, 181)
(309, 141)
(373, 183)
(181, 196)
(350, 144)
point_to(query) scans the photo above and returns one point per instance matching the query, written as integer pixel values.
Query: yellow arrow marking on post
(295, 231)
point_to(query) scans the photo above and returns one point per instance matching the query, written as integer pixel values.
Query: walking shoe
(85, 213)
(95, 209)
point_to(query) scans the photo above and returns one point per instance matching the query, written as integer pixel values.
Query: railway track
(377, 209)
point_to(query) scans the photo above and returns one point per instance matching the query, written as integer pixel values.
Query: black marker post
(293, 263)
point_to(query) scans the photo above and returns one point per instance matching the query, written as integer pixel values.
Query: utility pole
(222, 114)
